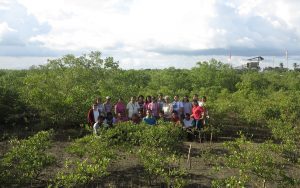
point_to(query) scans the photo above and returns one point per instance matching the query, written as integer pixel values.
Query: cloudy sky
(148, 34)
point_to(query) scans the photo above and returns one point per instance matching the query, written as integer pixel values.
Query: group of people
(151, 110)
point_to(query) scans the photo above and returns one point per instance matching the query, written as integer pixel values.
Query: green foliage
(214, 73)
(24, 162)
(63, 89)
(94, 155)
(156, 147)
(61, 92)
(14, 112)
(160, 163)
(258, 164)
(159, 154)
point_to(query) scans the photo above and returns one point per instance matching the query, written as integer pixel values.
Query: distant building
(251, 64)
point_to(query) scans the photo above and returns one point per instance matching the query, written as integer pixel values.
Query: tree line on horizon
(61, 92)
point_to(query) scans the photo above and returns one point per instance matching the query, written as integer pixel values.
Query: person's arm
(171, 108)
(201, 111)
(127, 110)
(116, 109)
(95, 128)
(192, 114)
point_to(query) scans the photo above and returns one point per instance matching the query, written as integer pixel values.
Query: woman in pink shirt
(120, 107)
(154, 107)
(197, 115)
(147, 102)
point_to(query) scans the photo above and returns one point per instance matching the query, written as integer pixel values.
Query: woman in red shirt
(197, 115)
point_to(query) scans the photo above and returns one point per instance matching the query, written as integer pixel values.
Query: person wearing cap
(107, 105)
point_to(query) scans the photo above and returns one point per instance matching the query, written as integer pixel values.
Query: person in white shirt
(132, 107)
(195, 97)
(187, 106)
(98, 124)
(160, 101)
(167, 108)
(187, 121)
(100, 106)
(177, 105)
(202, 101)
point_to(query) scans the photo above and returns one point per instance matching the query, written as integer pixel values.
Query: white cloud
(145, 31)
(5, 4)
(102, 24)
(4, 29)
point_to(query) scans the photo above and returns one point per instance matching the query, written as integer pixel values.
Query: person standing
(120, 107)
(100, 106)
(160, 101)
(147, 102)
(187, 106)
(107, 105)
(167, 108)
(202, 103)
(196, 97)
(198, 113)
(177, 105)
(141, 103)
(154, 107)
(132, 107)
(93, 114)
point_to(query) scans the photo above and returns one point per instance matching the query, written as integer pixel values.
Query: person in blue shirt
(149, 119)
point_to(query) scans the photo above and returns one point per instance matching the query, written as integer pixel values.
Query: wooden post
(189, 157)
(264, 183)
(211, 136)
(200, 136)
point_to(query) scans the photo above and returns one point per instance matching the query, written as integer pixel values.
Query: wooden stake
(200, 136)
(189, 157)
